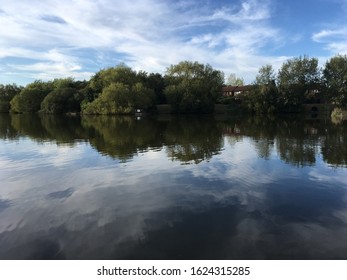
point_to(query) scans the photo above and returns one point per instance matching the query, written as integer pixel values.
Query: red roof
(236, 88)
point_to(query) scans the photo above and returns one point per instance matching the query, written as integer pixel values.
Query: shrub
(338, 115)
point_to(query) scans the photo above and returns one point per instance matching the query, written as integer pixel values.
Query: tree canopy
(7, 92)
(192, 87)
(295, 77)
(264, 97)
(335, 79)
(29, 99)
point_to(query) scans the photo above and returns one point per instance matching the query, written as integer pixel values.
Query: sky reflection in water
(193, 188)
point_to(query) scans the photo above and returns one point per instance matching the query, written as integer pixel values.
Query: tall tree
(263, 97)
(193, 87)
(266, 75)
(156, 82)
(335, 79)
(295, 77)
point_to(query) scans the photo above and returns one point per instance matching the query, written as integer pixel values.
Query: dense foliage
(295, 77)
(299, 81)
(264, 97)
(119, 98)
(7, 92)
(193, 87)
(29, 99)
(335, 79)
(65, 97)
(187, 87)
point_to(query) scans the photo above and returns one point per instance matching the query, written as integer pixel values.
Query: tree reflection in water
(187, 139)
(187, 187)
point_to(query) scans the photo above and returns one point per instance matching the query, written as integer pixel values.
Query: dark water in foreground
(172, 188)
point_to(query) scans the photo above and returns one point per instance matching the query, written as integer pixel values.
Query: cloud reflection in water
(76, 203)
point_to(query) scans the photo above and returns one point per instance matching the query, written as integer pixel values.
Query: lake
(207, 187)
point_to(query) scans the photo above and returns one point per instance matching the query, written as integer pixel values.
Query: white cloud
(327, 35)
(51, 70)
(334, 39)
(53, 63)
(147, 34)
(334, 35)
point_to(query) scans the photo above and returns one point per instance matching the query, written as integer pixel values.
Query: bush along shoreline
(338, 115)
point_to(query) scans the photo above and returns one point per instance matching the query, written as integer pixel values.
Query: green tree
(193, 87)
(63, 83)
(119, 74)
(263, 96)
(295, 77)
(66, 96)
(112, 100)
(335, 79)
(60, 100)
(29, 99)
(156, 82)
(7, 93)
(266, 75)
(124, 75)
(119, 98)
(143, 96)
(174, 96)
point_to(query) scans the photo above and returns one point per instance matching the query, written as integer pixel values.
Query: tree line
(188, 87)
(299, 81)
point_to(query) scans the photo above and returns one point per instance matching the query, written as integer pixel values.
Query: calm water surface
(172, 188)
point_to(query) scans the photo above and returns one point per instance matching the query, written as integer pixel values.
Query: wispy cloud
(146, 34)
(333, 34)
(335, 40)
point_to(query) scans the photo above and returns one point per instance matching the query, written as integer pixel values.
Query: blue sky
(46, 39)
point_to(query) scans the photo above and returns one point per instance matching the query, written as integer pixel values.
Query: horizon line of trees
(299, 81)
(188, 87)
